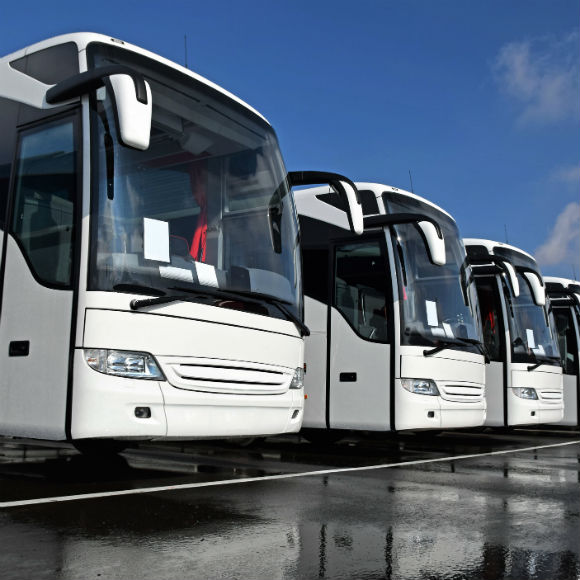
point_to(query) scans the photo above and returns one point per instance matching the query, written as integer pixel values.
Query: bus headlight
(122, 363)
(420, 386)
(526, 393)
(297, 379)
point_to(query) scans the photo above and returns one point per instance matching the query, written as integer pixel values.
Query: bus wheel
(322, 436)
(100, 447)
(243, 441)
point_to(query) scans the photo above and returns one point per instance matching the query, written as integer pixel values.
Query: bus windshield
(532, 334)
(438, 303)
(207, 205)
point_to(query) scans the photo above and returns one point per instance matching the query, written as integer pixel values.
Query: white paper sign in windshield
(206, 274)
(431, 308)
(530, 337)
(180, 274)
(156, 240)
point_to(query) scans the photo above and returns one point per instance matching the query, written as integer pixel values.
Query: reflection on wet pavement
(509, 516)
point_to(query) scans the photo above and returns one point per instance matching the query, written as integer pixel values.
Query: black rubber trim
(76, 262)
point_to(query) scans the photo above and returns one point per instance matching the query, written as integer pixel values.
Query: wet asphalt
(451, 507)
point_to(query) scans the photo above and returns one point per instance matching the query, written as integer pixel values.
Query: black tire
(243, 442)
(100, 447)
(322, 436)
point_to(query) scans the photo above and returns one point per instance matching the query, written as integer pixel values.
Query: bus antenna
(411, 180)
(506, 236)
(185, 48)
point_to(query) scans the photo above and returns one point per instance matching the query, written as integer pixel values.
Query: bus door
(567, 328)
(359, 349)
(37, 282)
(490, 305)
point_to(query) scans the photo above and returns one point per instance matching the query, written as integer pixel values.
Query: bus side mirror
(133, 116)
(131, 95)
(345, 188)
(513, 279)
(538, 290)
(435, 244)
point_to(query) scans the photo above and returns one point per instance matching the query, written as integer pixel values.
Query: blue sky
(479, 100)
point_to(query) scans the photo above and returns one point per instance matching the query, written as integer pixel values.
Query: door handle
(19, 348)
(347, 377)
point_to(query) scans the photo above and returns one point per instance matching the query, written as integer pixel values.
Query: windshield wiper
(449, 343)
(259, 298)
(540, 362)
(279, 304)
(252, 297)
(137, 304)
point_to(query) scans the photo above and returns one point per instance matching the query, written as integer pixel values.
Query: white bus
(395, 339)
(524, 375)
(150, 271)
(564, 297)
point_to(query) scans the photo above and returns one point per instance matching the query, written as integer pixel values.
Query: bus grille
(226, 377)
(551, 396)
(461, 393)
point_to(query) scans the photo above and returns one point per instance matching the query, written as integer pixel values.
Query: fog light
(526, 393)
(143, 412)
(420, 386)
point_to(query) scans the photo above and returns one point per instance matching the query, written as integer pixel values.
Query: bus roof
(83, 39)
(377, 188)
(490, 246)
(555, 284)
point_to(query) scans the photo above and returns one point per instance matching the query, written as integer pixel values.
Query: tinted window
(367, 198)
(8, 115)
(51, 65)
(567, 340)
(315, 271)
(45, 190)
(489, 306)
(361, 288)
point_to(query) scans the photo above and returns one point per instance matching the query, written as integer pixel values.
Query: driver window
(360, 288)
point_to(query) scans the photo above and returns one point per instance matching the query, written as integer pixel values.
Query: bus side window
(488, 306)
(566, 340)
(360, 288)
(8, 117)
(45, 190)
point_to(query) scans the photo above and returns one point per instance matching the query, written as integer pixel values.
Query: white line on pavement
(185, 486)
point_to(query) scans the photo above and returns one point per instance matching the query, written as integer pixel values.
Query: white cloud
(569, 175)
(543, 76)
(563, 243)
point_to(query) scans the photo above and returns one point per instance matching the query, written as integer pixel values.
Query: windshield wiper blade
(449, 343)
(256, 298)
(137, 304)
(304, 330)
(278, 303)
(540, 362)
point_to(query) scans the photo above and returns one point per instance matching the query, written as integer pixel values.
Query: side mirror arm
(342, 185)
(91, 80)
(393, 219)
(428, 227)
